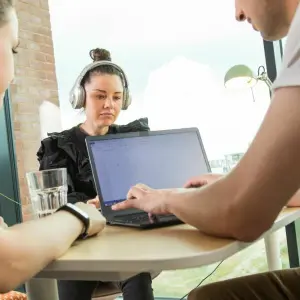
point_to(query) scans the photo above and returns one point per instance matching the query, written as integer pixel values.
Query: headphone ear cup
(81, 97)
(127, 99)
(72, 98)
(77, 97)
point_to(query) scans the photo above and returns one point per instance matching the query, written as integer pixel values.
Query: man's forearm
(202, 208)
(246, 202)
(28, 247)
(221, 210)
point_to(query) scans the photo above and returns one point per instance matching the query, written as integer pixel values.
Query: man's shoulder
(292, 47)
(289, 74)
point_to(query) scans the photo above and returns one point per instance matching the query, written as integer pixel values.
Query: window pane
(175, 57)
(175, 54)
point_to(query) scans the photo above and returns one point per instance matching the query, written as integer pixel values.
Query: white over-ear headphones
(77, 94)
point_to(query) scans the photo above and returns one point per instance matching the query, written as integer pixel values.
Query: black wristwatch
(81, 215)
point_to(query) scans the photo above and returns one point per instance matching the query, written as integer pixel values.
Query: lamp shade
(239, 76)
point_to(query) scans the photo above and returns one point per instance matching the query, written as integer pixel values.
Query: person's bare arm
(202, 180)
(246, 202)
(27, 248)
(295, 200)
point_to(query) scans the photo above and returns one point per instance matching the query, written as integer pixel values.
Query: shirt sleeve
(290, 71)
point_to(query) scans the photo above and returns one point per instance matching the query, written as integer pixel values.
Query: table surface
(128, 250)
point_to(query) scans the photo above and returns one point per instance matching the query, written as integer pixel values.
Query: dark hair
(5, 5)
(101, 55)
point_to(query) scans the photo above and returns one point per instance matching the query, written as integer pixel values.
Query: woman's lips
(107, 115)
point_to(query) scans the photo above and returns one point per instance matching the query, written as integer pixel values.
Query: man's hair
(5, 6)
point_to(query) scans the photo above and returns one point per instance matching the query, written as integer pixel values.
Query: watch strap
(81, 215)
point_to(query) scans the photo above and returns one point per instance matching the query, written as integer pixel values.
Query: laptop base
(145, 223)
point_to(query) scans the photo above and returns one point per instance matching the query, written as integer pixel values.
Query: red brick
(19, 98)
(44, 4)
(50, 58)
(40, 57)
(32, 2)
(17, 126)
(24, 108)
(36, 74)
(45, 94)
(22, 61)
(20, 89)
(27, 16)
(48, 41)
(20, 72)
(14, 108)
(51, 85)
(41, 66)
(54, 100)
(39, 38)
(20, 117)
(35, 81)
(46, 21)
(51, 76)
(47, 49)
(34, 28)
(27, 81)
(26, 35)
(20, 165)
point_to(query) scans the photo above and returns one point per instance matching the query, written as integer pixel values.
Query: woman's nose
(108, 102)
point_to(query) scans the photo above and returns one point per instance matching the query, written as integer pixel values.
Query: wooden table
(118, 252)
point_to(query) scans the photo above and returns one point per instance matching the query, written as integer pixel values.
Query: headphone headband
(96, 64)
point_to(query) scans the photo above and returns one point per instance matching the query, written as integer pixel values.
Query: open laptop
(160, 159)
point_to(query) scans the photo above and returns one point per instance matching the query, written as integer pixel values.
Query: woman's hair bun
(100, 54)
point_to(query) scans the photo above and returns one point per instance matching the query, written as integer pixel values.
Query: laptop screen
(160, 161)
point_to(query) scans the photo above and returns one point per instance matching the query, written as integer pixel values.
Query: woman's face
(8, 44)
(104, 97)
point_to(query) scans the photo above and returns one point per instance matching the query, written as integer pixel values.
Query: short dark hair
(5, 5)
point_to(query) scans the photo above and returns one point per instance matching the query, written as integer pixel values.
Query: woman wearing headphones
(102, 91)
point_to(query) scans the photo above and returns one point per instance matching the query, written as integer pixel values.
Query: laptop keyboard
(134, 218)
(142, 218)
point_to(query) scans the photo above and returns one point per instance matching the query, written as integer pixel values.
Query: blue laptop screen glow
(160, 161)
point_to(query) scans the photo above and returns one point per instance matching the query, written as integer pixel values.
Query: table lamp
(241, 76)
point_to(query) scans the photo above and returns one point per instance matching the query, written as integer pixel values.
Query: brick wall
(35, 82)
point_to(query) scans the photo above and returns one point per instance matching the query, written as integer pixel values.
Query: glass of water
(48, 191)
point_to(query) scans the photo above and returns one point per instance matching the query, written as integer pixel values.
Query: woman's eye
(117, 98)
(101, 97)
